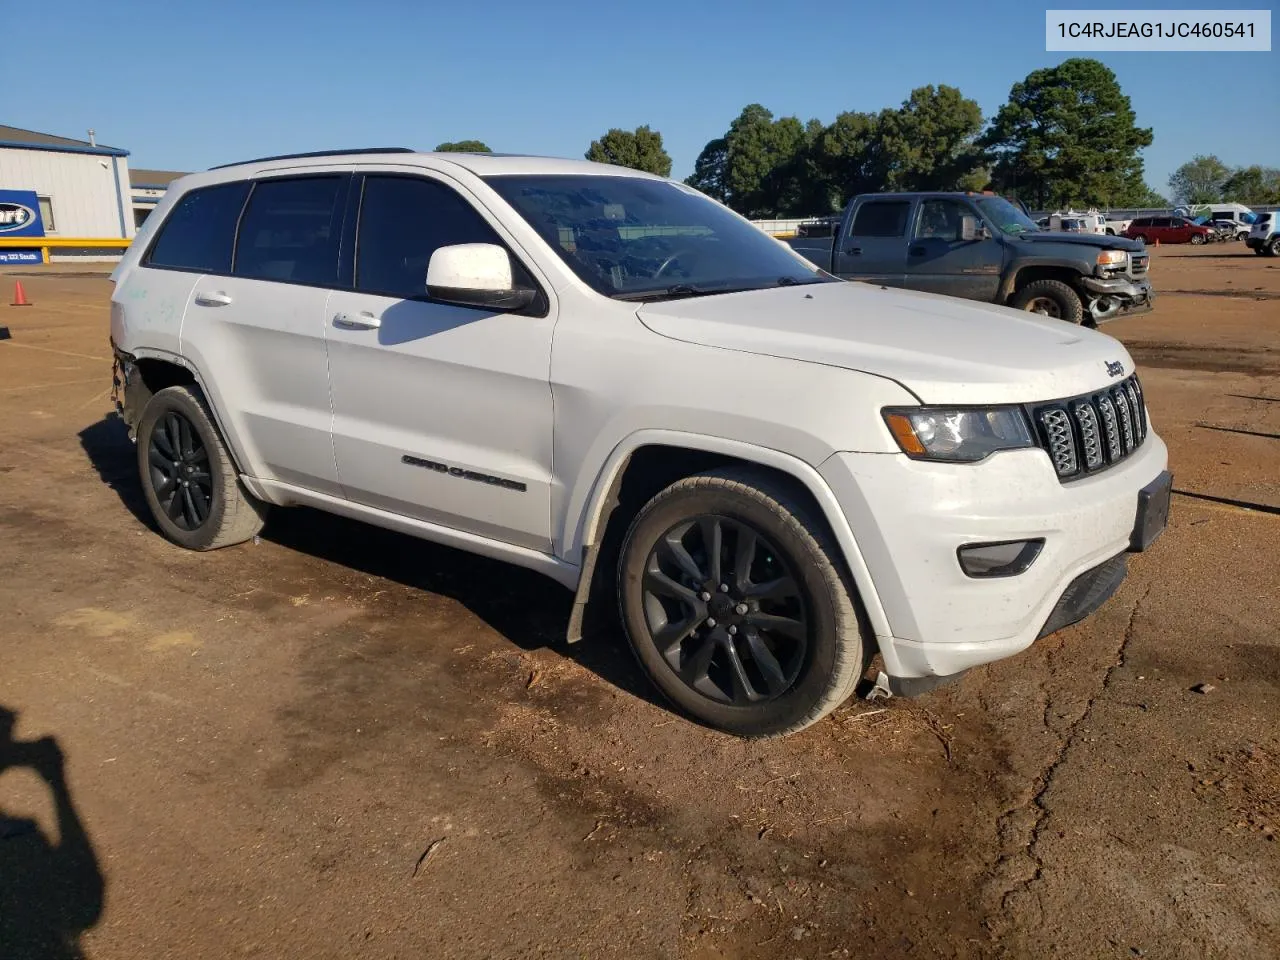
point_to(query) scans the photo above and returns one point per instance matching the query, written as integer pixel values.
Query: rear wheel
(735, 606)
(1274, 247)
(189, 481)
(1050, 298)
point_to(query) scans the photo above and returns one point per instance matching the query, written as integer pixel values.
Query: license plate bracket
(1153, 512)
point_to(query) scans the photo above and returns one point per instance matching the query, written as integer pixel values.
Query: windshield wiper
(670, 293)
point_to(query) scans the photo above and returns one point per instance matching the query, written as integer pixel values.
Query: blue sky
(186, 85)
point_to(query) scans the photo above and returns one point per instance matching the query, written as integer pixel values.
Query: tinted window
(1142, 222)
(403, 220)
(882, 218)
(290, 231)
(199, 233)
(940, 219)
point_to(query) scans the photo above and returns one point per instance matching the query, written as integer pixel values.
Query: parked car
(1072, 221)
(1264, 235)
(1225, 231)
(982, 247)
(1116, 226)
(1168, 230)
(610, 378)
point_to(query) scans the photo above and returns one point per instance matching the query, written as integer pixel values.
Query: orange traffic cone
(1157, 241)
(19, 295)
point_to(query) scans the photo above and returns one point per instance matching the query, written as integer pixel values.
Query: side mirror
(475, 275)
(971, 228)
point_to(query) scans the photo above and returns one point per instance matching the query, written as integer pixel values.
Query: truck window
(881, 218)
(940, 219)
(200, 232)
(290, 230)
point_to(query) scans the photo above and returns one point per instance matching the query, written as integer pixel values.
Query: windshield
(1007, 218)
(635, 239)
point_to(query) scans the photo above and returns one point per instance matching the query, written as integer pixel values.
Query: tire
(1197, 238)
(1141, 238)
(1274, 247)
(208, 507)
(806, 629)
(1050, 297)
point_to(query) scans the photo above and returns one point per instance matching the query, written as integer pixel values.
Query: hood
(1099, 240)
(942, 349)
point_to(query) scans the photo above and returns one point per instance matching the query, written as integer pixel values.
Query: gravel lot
(343, 742)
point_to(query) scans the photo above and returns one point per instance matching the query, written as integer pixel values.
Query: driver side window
(940, 219)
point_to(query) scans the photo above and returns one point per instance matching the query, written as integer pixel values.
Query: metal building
(147, 188)
(61, 195)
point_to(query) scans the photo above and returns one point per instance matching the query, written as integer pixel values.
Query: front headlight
(1111, 257)
(963, 435)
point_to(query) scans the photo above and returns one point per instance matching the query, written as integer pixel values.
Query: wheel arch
(1063, 271)
(651, 460)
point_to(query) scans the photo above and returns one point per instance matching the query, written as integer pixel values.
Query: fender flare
(609, 480)
(1008, 285)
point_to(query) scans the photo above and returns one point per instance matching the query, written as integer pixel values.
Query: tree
(847, 159)
(760, 161)
(1149, 199)
(710, 170)
(1068, 135)
(928, 142)
(463, 146)
(641, 150)
(1250, 185)
(1199, 180)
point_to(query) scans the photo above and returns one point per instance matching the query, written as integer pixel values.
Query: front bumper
(1133, 296)
(910, 517)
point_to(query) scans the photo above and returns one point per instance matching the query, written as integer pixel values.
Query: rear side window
(199, 234)
(882, 218)
(290, 231)
(403, 220)
(1141, 222)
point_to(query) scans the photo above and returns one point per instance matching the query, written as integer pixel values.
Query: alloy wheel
(1045, 306)
(725, 611)
(179, 467)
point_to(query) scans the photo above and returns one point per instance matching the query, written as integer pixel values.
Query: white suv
(1264, 235)
(554, 362)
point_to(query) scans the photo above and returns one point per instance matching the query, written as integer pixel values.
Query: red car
(1167, 230)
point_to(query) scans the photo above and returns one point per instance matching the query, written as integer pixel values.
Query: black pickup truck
(981, 247)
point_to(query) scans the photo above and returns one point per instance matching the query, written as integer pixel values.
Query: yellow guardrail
(45, 244)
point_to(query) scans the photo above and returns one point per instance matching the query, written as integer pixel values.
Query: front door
(940, 260)
(440, 412)
(874, 248)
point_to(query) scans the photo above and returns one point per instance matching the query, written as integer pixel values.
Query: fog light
(1008, 558)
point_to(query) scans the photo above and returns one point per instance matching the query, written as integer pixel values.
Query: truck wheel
(1274, 247)
(1052, 298)
(190, 483)
(735, 605)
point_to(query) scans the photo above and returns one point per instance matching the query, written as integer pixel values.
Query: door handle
(216, 299)
(357, 321)
(854, 251)
(916, 251)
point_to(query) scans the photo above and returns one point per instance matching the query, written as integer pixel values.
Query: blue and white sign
(20, 214)
(20, 256)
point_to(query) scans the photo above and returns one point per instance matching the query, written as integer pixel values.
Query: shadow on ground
(50, 892)
(527, 608)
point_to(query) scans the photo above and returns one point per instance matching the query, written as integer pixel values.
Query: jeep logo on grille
(1115, 368)
(15, 216)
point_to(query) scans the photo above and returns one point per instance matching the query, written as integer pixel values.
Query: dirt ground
(343, 742)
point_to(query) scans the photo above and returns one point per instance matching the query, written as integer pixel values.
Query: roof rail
(317, 153)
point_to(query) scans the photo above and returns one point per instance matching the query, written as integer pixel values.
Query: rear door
(874, 248)
(939, 260)
(440, 412)
(257, 333)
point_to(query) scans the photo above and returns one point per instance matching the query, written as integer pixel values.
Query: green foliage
(1149, 198)
(463, 146)
(710, 170)
(1250, 185)
(1068, 135)
(1199, 180)
(639, 150)
(928, 143)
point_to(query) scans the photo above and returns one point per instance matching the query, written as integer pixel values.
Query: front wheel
(1274, 247)
(188, 479)
(1050, 298)
(1197, 238)
(735, 605)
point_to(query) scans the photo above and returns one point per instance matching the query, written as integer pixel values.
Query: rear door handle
(357, 321)
(215, 299)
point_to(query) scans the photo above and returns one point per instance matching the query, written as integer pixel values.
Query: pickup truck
(982, 247)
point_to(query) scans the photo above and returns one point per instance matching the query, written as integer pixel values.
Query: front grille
(1089, 433)
(1138, 263)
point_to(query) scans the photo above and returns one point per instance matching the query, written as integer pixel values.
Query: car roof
(481, 164)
